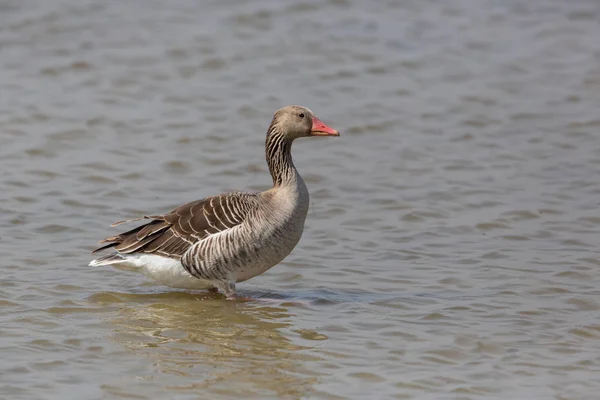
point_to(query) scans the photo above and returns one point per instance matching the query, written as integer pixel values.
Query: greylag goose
(218, 241)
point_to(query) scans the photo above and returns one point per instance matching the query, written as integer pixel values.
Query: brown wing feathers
(172, 234)
(133, 239)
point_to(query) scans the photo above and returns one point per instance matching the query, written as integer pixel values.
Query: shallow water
(451, 249)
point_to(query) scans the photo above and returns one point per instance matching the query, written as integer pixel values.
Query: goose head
(294, 122)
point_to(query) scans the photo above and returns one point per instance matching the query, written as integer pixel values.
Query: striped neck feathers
(278, 149)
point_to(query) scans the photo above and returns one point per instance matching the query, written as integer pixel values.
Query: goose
(218, 241)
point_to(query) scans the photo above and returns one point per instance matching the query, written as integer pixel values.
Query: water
(451, 249)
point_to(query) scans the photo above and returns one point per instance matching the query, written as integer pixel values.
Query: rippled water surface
(451, 248)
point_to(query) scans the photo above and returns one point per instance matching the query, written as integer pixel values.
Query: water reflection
(199, 341)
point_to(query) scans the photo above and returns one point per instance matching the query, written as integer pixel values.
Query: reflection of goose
(221, 347)
(218, 241)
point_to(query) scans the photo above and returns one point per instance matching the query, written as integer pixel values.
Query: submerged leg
(228, 289)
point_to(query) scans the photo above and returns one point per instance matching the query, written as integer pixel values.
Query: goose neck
(278, 151)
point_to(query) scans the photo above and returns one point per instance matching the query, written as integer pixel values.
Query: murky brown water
(451, 250)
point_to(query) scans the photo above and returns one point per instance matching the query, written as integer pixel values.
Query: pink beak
(320, 129)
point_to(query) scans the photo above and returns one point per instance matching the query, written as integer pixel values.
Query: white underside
(164, 270)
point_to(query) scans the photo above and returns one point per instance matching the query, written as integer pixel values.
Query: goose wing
(172, 234)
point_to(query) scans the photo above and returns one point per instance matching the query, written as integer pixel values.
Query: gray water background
(451, 249)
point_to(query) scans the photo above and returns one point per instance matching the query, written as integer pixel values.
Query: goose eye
(301, 115)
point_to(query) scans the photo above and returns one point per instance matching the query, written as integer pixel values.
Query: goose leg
(228, 288)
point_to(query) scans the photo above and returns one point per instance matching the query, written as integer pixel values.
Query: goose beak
(320, 129)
